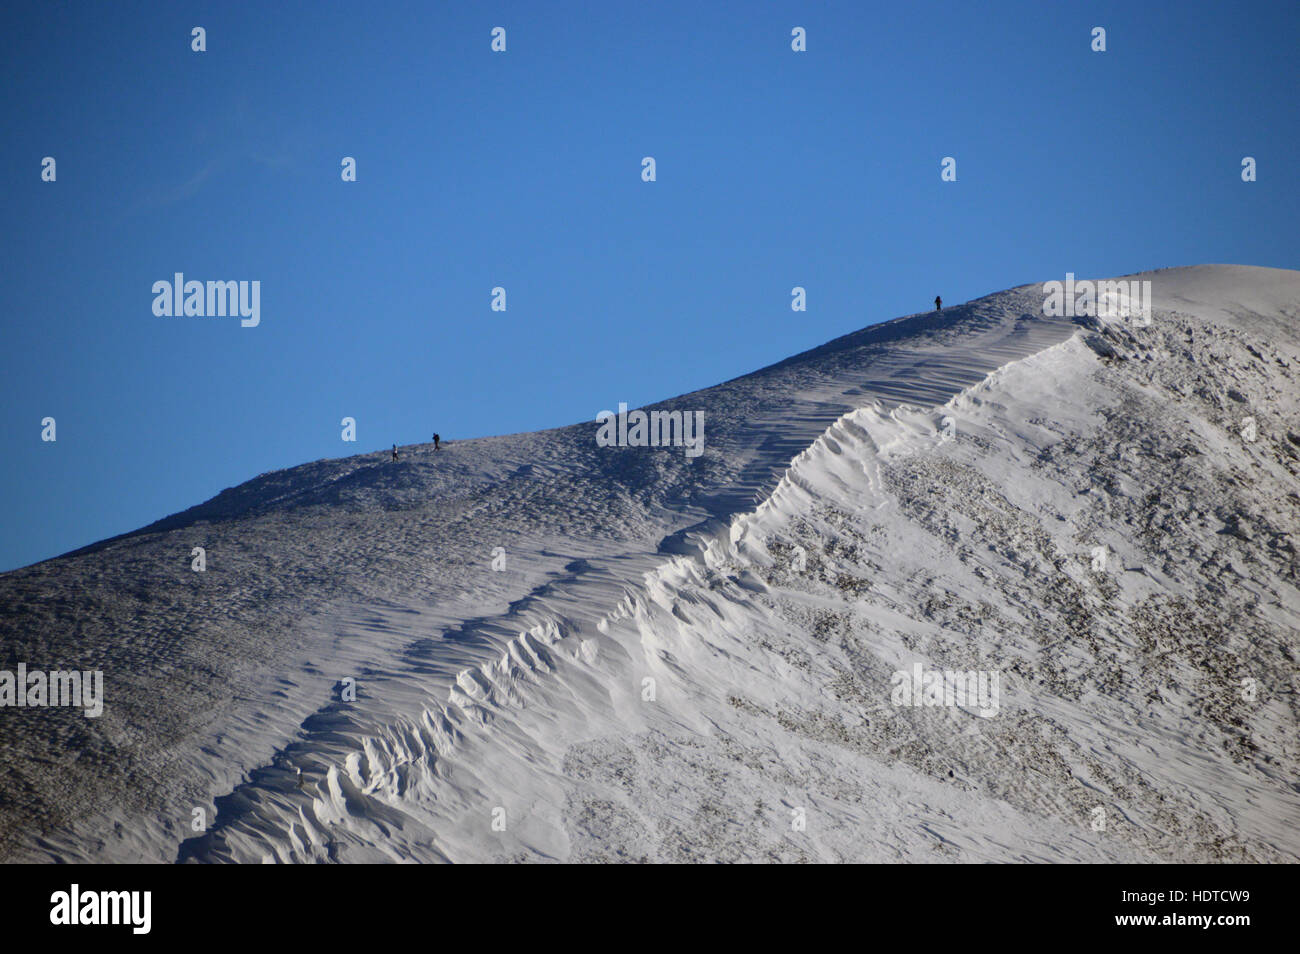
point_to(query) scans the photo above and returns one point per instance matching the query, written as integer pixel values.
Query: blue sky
(523, 170)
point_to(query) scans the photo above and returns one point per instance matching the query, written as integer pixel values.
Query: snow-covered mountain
(700, 658)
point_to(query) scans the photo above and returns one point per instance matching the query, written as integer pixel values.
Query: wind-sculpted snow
(695, 661)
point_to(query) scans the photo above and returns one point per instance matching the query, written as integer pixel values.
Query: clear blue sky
(523, 170)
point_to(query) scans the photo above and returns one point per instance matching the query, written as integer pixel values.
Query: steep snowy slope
(694, 659)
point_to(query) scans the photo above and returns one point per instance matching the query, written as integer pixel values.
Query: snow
(929, 490)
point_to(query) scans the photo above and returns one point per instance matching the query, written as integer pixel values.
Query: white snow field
(692, 659)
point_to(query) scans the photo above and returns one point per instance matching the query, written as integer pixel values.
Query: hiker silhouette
(938, 303)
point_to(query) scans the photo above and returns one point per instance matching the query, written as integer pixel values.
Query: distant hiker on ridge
(436, 438)
(938, 303)
(394, 452)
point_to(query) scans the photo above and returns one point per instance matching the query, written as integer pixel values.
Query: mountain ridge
(652, 502)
